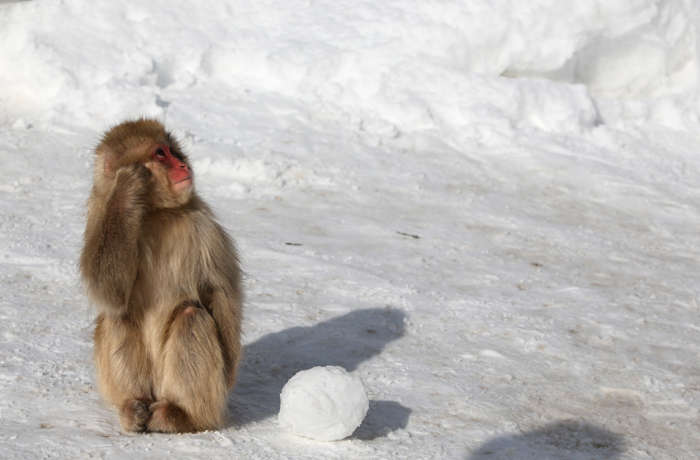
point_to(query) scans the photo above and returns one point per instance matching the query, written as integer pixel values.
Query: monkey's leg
(191, 393)
(123, 370)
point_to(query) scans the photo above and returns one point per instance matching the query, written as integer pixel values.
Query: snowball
(323, 403)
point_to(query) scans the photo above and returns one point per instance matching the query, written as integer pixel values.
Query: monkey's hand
(130, 188)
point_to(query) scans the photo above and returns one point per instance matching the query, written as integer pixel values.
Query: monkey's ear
(108, 166)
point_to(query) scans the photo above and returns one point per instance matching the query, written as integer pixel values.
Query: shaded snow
(487, 210)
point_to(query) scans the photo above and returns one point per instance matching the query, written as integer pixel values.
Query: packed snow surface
(325, 403)
(488, 210)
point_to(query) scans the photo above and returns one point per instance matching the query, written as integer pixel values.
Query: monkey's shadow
(345, 341)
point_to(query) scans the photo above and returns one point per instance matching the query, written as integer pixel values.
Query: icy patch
(323, 403)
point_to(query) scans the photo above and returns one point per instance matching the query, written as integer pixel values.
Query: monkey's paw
(167, 417)
(131, 187)
(133, 177)
(135, 415)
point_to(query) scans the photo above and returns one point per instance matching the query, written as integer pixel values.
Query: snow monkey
(165, 280)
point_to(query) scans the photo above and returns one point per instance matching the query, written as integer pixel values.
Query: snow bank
(456, 70)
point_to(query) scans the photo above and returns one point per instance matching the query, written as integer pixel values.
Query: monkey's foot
(134, 414)
(167, 417)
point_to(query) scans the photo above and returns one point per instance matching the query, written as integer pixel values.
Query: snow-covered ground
(489, 210)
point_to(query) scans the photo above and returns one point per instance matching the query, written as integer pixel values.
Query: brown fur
(165, 279)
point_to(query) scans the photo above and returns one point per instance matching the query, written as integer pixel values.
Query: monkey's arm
(225, 308)
(221, 295)
(109, 260)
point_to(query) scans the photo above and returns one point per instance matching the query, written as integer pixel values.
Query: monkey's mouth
(183, 183)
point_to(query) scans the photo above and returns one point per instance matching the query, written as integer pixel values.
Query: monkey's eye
(160, 153)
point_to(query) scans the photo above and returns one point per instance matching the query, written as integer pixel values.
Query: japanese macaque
(165, 280)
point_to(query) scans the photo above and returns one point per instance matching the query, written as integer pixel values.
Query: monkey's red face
(144, 142)
(177, 170)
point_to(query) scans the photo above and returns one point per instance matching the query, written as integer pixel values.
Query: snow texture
(324, 403)
(488, 210)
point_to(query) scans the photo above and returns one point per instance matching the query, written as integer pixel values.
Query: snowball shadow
(561, 440)
(382, 418)
(346, 341)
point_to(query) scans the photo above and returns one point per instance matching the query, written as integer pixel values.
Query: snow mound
(386, 70)
(324, 403)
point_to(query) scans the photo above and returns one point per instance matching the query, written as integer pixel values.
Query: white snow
(325, 403)
(488, 210)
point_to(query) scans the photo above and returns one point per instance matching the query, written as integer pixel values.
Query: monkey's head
(145, 141)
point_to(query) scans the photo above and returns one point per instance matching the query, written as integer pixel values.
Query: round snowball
(323, 403)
